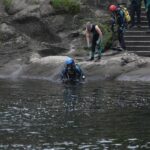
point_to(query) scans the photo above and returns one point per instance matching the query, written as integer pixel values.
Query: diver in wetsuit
(71, 71)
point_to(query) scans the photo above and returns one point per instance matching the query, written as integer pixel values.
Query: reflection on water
(37, 115)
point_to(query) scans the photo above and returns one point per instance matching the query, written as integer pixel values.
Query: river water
(41, 115)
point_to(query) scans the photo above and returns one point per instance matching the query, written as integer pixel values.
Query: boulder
(29, 12)
(16, 6)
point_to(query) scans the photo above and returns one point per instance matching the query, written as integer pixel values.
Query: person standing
(147, 6)
(135, 9)
(145, 2)
(118, 23)
(94, 35)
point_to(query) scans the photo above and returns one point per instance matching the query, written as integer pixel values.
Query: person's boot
(92, 58)
(98, 59)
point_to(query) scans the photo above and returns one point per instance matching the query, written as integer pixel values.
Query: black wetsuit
(99, 46)
(94, 40)
(148, 12)
(72, 73)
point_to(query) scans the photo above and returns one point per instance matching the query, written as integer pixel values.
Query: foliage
(7, 4)
(107, 35)
(69, 6)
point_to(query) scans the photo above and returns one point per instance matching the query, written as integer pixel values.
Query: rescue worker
(147, 6)
(118, 23)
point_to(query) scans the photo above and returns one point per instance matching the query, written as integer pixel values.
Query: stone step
(137, 38)
(143, 17)
(136, 32)
(142, 53)
(142, 8)
(144, 22)
(139, 43)
(138, 48)
(142, 28)
(143, 12)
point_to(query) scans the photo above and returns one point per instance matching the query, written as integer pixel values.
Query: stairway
(137, 39)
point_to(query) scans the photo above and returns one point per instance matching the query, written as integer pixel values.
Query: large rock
(26, 8)
(109, 68)
(16, 6)
(29, 12)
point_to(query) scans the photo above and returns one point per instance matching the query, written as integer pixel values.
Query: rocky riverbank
(35, 40)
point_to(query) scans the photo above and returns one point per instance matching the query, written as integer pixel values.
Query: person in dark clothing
(71, 71)
(145, 2)
(147, 6)
(118, 21)
(94, 35)
(135, 9)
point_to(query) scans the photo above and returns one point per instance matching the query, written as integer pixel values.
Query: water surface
(37, 115)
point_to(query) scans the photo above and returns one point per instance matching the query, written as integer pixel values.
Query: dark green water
(40, 115)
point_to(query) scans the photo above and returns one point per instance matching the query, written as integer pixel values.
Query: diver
(72, 71)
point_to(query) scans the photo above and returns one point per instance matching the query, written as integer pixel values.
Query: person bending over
(94, 35)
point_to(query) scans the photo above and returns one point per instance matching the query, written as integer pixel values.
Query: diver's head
(69, 62)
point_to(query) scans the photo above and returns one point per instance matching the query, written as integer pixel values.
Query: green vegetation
(34, 2)
(107, 35)
(68, 6)
(7, 4)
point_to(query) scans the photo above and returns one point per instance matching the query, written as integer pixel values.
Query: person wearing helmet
(71, 71)
(135, 9)
(94, 35)
(118, 20)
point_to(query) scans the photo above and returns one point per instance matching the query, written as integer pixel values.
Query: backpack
(126, 13)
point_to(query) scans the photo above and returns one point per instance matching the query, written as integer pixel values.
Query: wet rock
(6, 32)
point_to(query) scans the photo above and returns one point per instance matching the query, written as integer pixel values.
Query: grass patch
(68, 6)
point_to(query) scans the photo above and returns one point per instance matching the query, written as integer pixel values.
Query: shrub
(68, 6)
(107, 35)
(7, 4)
